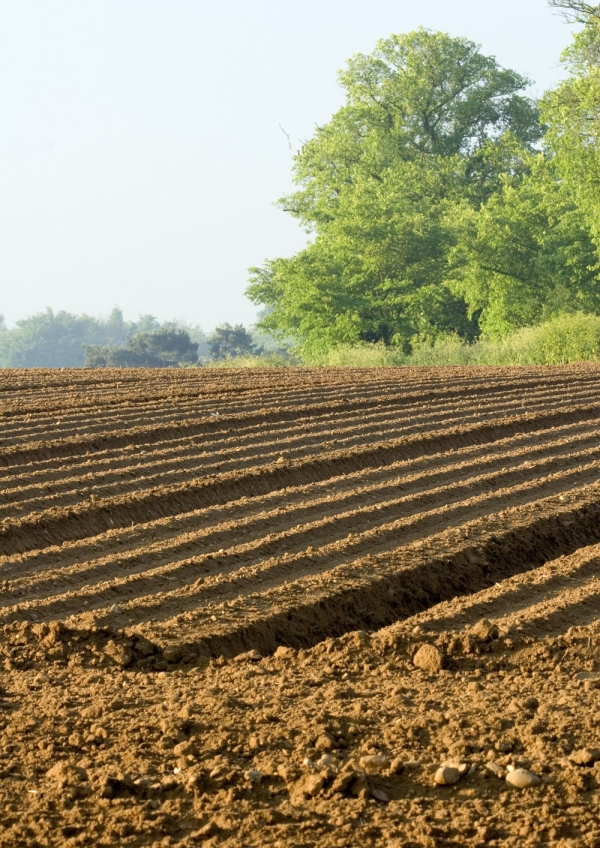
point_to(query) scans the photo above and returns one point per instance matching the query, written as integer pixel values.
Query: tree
(229, 341)
(159, 349)
(572, 111)
(577, 9)
(48, 340)
(526, 255)
(428, 122)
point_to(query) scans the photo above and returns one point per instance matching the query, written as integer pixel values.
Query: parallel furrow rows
(260, 413)
(251, 509)
(227, 454)
(64, 524)
(268, 563)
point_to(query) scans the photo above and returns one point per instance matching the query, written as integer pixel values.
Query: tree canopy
(161, 348)
(572, 111)
(436, 203)
(429, 123)
(227, 341)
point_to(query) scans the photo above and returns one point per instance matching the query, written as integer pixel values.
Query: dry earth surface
(334, 607)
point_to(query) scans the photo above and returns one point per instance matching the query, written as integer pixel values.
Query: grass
(559, 341)
(265, 360)
(562, 340)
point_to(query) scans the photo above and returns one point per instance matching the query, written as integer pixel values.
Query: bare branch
(287, 135)
(577, 10)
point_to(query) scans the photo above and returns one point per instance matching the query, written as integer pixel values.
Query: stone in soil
(428, 658)
(520, 778)
(447, 776)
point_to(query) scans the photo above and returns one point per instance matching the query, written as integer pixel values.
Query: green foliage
(63, 340)
(157, 349)
(561, 340)
(50, 340)
(228, 341)
(429, 123)
(572, 113)
(526, 254)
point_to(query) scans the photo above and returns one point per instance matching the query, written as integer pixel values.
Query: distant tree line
(61, 339)
(442, 200)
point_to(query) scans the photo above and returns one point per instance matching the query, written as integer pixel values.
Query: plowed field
(252, 608)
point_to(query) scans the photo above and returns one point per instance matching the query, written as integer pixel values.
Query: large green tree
(527, 254)
(429, 123)
(572, 111)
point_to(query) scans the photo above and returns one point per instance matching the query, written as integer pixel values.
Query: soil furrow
(179, 561)
(157, 432)
(76, 523)
(209, 578)
(529, 604)
(216, 457)
(279, 509)
(380, 589)
(308, 430)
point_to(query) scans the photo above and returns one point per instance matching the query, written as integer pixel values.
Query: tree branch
(577, 10)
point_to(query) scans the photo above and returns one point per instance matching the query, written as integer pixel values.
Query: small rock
(428, 658)
(283, 653)
(396, 765)
(585, 756)
(380, 795)
(587, 675)
(310, 785)
(115, 608)
(325, 742)
(446, 776)
(375, 763)
(144, 647)
(254, 776)
(591, 679)
(343, 781)
(120, 653)
(522, 778)
(328, 761)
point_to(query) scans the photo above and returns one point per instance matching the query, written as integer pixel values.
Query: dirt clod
(585, 756)
(428, 658)
(66, 774)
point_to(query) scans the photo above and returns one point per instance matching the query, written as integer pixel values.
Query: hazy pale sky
(140, 148)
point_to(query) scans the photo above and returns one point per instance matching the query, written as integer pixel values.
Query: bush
(563, 339)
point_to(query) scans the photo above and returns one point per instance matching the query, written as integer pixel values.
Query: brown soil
(247, 608)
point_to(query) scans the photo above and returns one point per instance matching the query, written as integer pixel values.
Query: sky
(141, 149)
